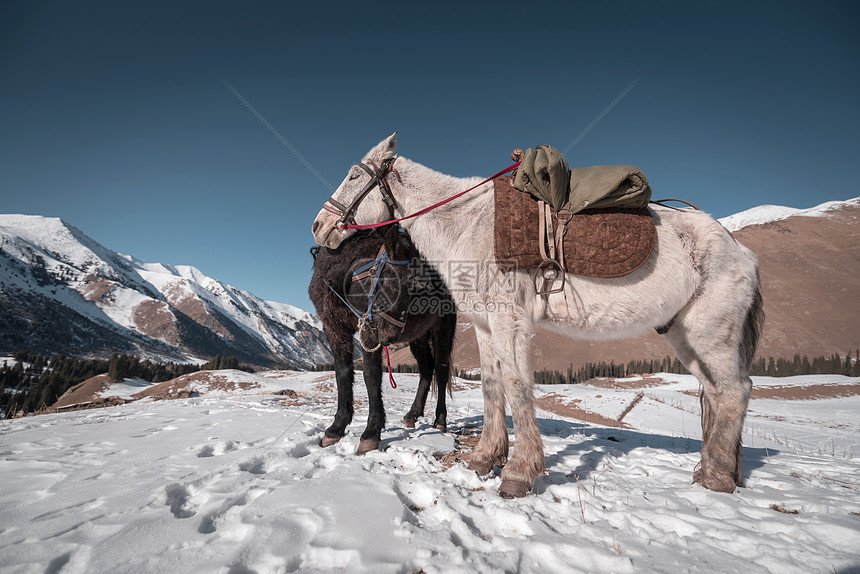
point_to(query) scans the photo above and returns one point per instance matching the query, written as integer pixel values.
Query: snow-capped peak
(51, 235)
(768, 213)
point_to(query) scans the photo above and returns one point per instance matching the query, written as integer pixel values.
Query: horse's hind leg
(443, 342)
(342, 346)
(715, 338)
(424, 357)
(724, 398)
(376, 418)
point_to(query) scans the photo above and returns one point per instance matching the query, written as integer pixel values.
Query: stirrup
(549, 271)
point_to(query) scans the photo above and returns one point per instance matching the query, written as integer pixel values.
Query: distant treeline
(770, 367)
(549, 377)
(608, 370)
(46, 378)
(799, 365)
(821, 365)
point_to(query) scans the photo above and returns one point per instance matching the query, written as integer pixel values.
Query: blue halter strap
(374, 268)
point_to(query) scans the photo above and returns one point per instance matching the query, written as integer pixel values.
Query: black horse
(378, 284)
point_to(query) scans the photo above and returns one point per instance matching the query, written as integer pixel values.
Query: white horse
(699, 285)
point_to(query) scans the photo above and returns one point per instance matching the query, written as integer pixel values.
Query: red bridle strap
(432, 207)
(390, 376)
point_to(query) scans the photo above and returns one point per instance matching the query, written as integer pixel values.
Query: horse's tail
(445, 340)
(434, 386)
(752, 326)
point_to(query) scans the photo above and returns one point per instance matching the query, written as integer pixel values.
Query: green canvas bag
(544, 174)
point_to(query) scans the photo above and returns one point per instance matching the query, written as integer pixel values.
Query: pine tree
(229, 363)
(118, 368)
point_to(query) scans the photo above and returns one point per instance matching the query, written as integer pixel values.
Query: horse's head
(385, 290)
(363, 196)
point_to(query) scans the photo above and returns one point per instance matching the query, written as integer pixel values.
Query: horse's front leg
(492, 448)
(511, 347)
(424, 357)
(376, 418)
(342, 348)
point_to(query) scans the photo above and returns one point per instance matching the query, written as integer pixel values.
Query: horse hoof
(481, 468)
(514, 488)
(441, 427)
(409, 422)
(366, 446)
(715, 482)
(719, 484)
(329, 440)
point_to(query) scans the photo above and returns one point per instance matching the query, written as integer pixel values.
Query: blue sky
(115, 116)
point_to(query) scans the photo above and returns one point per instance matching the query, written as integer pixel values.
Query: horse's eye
(352, 177)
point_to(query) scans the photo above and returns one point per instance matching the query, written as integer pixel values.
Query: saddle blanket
(602, 243)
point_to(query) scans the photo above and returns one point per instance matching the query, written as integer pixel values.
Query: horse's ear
(391, 144)
(385, 149)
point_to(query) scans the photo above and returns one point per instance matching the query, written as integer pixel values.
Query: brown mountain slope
(85, 392)
(810, 270)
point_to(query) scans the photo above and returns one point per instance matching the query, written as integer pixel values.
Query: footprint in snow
(215, 519)
(209, 523)
(179, 501)
(219, 448)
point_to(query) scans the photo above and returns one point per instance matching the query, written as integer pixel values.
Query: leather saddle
(603, 243)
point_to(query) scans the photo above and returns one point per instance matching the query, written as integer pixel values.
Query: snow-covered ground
(236, 483)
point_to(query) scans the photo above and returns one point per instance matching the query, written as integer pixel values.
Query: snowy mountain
(770, 213)
(810, 272)
(61, 291)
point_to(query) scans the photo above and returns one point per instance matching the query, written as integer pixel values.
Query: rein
(344, 301)
(662, 203)
(378, 177)
(350, 223)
